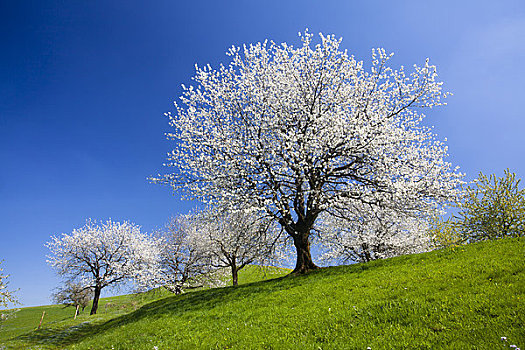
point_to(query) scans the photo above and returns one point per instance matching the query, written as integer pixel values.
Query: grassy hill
(59, 328)
(458, 298)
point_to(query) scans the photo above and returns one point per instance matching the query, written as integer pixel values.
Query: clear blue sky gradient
(84, 85)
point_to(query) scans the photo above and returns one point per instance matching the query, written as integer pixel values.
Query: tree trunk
(95, 301)
(235, 279)
(366, 252)
(304, 262)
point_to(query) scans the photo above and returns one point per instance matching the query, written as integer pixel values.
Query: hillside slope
(59, 328)
(462, 298)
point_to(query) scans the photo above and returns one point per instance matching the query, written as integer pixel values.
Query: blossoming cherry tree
(302, 131)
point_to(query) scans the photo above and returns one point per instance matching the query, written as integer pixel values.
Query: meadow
(465, 297)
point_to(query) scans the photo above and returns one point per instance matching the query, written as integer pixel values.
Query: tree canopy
(369, 232)
(72, 293)
(100, 255)
(6, 296)
(234, 239)
(303, 131)
(492, 207)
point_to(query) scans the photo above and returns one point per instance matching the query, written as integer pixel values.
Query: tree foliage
(445, 232)
(235, 239)
(73, 293)
(303, 131)
(6, 296)
(370, 232)
(493, 207)
(106, 254)
(183, 264)
(196, 248)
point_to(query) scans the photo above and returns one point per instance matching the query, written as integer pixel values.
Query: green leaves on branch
(492, 207)
(445, 233)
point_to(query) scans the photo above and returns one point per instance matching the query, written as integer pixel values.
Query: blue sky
(84, 85)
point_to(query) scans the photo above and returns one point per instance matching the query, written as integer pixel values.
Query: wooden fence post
(40, 324)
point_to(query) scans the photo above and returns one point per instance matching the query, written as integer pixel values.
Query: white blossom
(301, 131)
(370, 232)
(233, 239)
(99, 255)
(183, 263)
(6, 296)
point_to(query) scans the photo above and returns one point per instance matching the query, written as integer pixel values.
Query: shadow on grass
(172, 305)
(194, 301)
(58, 336)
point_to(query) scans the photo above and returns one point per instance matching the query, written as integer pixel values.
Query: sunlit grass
(59, 327)
(458, 298)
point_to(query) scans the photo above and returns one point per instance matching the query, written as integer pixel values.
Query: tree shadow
(180, 304)
(57, 336)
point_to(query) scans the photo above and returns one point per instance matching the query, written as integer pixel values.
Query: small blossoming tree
(234, 239)
(72, 293)
(101, 255)
(183, 264)
(6, 296)
(369, 232)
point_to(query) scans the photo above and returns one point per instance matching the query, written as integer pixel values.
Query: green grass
(59, 327)
(457, 298)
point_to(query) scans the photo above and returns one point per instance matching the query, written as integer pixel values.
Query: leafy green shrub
(493, 208)
(446, 233)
